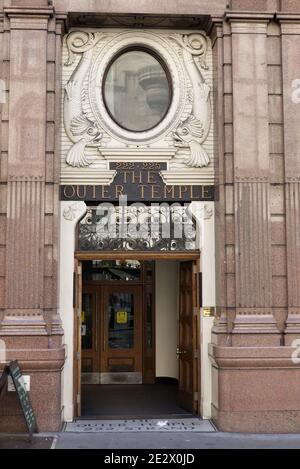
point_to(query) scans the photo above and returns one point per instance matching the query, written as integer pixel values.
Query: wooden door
(188, 348)
(121, 325)
(77, 303)
(90, 362)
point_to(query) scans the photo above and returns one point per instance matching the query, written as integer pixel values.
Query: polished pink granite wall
(29, 180)
(256, 47)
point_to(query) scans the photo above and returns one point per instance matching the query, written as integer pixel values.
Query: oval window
(137, 90)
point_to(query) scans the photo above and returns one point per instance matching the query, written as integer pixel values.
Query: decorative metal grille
(137, 227)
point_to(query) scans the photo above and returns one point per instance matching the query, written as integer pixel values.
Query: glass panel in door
(87, 321)
(121, 320)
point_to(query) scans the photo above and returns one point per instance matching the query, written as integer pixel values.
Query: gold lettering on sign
(125, 174)
(105, 194)
(119, 190)
(192, 194)
(182, 191)
(94, 192)
(151, 177)
(69, 196)
(137, 178)
(82, 189)
(205, 192)
(142, 190)
(169, 190)
(155, 192)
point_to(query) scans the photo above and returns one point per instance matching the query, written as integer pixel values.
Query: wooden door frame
(189, 356)
(93, 353)
(77, 303)
(137, 255)
(129, 255)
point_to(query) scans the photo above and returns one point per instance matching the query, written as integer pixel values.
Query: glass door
(121, 318)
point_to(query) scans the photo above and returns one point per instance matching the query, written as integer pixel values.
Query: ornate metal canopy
(137, 227)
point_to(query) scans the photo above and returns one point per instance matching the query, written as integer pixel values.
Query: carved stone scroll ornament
(193, 131)
(80, 129)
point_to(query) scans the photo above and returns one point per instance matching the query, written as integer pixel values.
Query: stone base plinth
(255, 389)
(44, 367)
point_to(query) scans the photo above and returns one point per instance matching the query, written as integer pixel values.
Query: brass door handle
(180, 352)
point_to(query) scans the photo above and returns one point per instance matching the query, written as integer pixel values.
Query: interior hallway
(132, 401)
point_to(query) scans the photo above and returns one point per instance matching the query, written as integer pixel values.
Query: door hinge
(78, 399)
(196, 396)
(78, 356)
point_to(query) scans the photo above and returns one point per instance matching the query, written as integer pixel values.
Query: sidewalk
(178, 441)
(150, 440)
(23, 442)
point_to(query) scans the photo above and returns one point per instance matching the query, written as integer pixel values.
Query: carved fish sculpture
(192, 132)
(80, 129)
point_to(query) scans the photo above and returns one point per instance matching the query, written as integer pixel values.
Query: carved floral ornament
(184, 130)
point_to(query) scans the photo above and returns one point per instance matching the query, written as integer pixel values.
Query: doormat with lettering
(145, 425)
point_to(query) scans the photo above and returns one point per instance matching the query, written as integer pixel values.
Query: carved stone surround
(90, 138)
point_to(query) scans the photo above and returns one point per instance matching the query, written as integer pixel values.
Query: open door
(188, 349)
(77, 336)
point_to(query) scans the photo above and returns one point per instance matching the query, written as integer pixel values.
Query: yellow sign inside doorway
(122, 317)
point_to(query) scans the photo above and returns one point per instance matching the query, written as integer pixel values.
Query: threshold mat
(140, 425)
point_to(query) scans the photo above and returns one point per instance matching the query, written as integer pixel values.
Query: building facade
(191, 107)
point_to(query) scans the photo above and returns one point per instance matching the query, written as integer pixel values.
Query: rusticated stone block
(2, 229)
(277, 169)
(254, 5)
(44, 368)
(278, 230)
(29, 3)
(279, 260)
(255, 389)
(230, 283)
(275, 109)
(274, 50)
(230, 235)
(279, 297)
(277, 199)
(292, 6)
(2, 292)
(229, 170)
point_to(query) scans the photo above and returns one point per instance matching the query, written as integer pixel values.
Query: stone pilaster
(221, 328)
(290, 42)
(254, 324)
(3, 144)
(30, 207)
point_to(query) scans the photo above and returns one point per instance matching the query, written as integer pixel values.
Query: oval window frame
(160, 60)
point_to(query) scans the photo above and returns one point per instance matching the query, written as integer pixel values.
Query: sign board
(122, 317)
(140, 182)
(13, 370)
(208, 311)
(11, 386)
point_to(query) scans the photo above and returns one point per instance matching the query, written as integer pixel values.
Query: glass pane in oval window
(137, 91)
